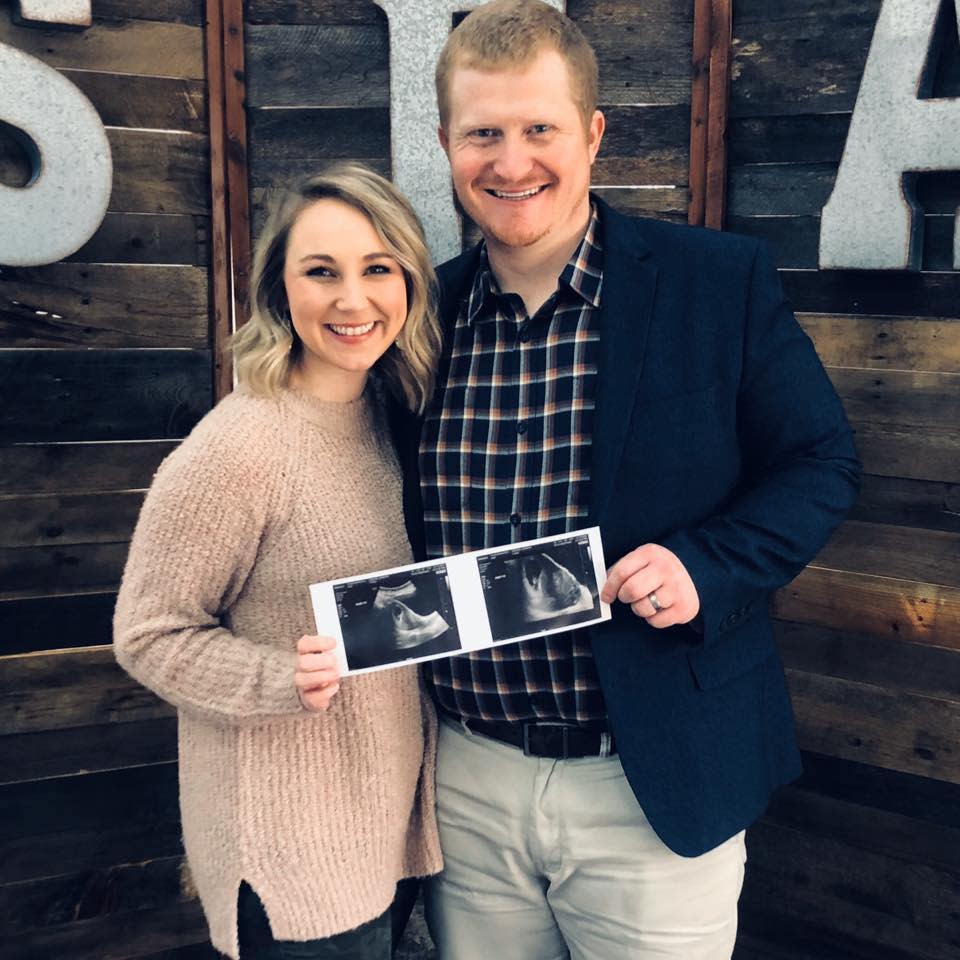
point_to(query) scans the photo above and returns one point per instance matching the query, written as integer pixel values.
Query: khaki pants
(550, 859)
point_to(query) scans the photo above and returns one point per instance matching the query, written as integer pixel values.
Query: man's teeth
(522, 195)
(354, 331)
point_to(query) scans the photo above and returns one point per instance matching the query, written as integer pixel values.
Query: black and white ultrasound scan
(470, 601)
(539, 588)
(395, 617)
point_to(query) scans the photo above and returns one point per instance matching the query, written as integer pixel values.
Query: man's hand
(317, 676)
(652, 569)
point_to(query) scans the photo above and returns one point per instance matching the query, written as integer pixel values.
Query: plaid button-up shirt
(505, 456)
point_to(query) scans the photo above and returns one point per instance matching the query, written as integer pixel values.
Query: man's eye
(540, 128)
(483, 133)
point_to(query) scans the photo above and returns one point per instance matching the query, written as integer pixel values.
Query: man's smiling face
(519, 154)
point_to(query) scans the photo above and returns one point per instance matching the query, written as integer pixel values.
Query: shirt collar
(582, 275)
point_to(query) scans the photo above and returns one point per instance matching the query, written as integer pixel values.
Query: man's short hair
(512, 33)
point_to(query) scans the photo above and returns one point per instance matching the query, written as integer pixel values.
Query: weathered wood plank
(886, 662)
(134, 47)
(666, 203)
(642, 145)
(122, 937)
(882, 727)
(347, 65)
(831, 900)
(796, 239)
(886, 550)
(52, 571)
(912, 503)
(314, 11)
(104, 306)
(916, 344)
(159, 172)
(68, 519)
(145, 238)
(172, 11)
(91, 893)
(890, 293)
(69, 689)
(80, 467)
(877, 605)
(64, 825)
(902, 397)
(54, 623)
(788, 139)
(111, 746)
(147, 103)
(890, 833)
(920, 798)
(60, 395)
(805, 57)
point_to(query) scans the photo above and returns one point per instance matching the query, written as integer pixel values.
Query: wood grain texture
(136, 47)
(56, 623)
(52, 571)
(168, 11)
(35, 468)
(68, 519)
(147, 103)
(927, 504)
(64, 825)
(83, 305)
(145, 238)
(61, 753)
(57, 395)
(62, 690)
(875, 604)
(52, 901)
(159, 172)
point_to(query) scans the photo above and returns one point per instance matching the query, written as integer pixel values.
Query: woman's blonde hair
(267, 348)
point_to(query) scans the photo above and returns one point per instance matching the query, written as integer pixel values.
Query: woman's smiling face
(347, 296)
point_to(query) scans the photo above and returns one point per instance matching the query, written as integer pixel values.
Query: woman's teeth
(353, 331)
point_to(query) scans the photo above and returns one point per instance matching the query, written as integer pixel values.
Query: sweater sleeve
(194, 546)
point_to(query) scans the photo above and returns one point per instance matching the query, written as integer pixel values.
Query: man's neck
(532, 272)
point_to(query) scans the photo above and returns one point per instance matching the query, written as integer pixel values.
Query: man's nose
(513, 161)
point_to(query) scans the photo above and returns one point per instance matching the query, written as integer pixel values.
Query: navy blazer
(717, 434)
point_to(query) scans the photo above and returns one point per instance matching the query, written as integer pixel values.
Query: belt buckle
(565, 727)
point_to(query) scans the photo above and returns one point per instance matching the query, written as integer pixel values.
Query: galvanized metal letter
(66, 199)
(73, 13)
(417, 34)
(871, 221)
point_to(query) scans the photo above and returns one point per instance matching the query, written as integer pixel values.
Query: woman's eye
(380, 268)
(319, 272)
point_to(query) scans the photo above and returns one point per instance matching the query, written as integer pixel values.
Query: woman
(305, 798)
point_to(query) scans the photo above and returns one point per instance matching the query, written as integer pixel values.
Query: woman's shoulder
(238, 442)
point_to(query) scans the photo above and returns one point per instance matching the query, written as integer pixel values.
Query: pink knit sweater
(320, 813)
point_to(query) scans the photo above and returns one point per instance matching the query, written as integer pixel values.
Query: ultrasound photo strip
(468, 602)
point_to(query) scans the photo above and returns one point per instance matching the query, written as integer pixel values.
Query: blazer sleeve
(799, 468)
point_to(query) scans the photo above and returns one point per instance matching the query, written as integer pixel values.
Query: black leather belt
(556, 740)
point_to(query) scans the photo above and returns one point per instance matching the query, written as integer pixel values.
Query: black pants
(370, 941)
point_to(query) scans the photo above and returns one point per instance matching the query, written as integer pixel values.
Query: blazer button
(515, 519)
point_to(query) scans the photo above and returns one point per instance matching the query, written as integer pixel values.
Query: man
(593, 786)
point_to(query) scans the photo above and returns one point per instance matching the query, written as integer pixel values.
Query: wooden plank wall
(318, 90)
(104, 363)
(861, 859)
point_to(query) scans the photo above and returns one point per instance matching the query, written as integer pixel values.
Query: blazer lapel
(629, 285)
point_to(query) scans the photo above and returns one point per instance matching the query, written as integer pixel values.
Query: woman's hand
(317, 676)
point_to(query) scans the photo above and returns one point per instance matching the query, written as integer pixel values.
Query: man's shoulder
(672, 239)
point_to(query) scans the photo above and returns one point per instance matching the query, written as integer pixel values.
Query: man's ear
(598, 124)
(442, 137)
